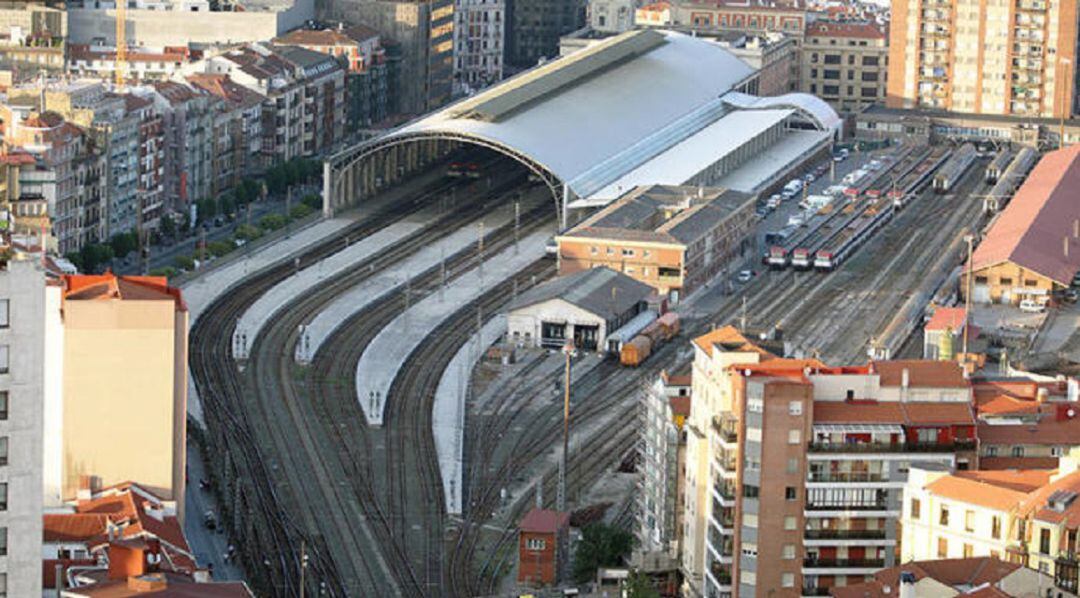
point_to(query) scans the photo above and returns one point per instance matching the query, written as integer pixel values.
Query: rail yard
(303, 475)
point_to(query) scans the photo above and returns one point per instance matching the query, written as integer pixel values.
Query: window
(749, 549)
(628, 252)
(755, 405)
(1018, 451)
(969, 551)
(535, 544)
(3, 584)
(789, 522)
(749, 519)
(748, 577)
(4, 359)
(3, 405)
(1044, 541)
(830, 90)
(3, 541)
(5, 306)
(916, 507)
(1006, 280)
(995, 527)
(868, 92)
(3, 496)
(981, 280)
(794, 408)
(787, 580)
(850, 77)
(1029, 282)
(794, 437)
(969, 521)
(790, 493)
(943, 517)
(793, 465)
(788, 552)
(593, 250)
(832, 59)
(870, 76)
(851, 59)
(991, 451)
(833, 74)
(942, 548)
(1055, 451)
(750, 491)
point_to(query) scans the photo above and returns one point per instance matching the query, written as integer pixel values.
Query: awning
(857, 429)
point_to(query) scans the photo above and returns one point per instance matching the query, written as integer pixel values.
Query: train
(1010, 179)
(838, 247)
(469, 170)
(638, 349)
(954, 169)
(997, 166)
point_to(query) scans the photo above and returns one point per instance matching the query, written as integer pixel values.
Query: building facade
(543, 545)
(535, 27)
(794, 468)
(125, 409)
(30, 404)
(665, 408)
(479, 33)
(845, 63)
(748, 17)
(1004, 58)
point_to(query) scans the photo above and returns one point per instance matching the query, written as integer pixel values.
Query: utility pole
(967, 291)
(517, 223)
(303, 565)
(480, 249)
(568, 350)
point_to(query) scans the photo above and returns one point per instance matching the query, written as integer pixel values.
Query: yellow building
(125, 384)
(1028, 517)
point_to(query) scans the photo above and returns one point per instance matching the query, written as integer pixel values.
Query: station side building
(1033, 249)
(672, 238)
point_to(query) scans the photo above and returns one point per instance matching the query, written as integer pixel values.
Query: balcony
(727, 427)
(848, 477)
(809, 591)
(845, 534)
(895, 447)
(876, 506)
(819, 563)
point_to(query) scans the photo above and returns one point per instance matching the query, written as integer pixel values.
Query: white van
(1032, 306)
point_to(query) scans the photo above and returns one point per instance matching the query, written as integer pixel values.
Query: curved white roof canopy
(812, 107)
(619, 116)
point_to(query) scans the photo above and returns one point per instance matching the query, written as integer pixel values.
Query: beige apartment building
(125, 384)
(845, 63)
(794, 468)
(1001, 57)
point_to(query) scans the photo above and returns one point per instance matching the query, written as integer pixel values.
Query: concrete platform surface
(448, 418)
(379, 364)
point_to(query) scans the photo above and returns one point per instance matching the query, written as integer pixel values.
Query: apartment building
(611, 16)
(238, 129)
(672, 238)
(794, 468)
(665, 408)
(535, 26)
(188, 121)
(151, 161)
(845, 63)
(479, 34)
(143, 63)
(1000, 57)
(124, 415)
(774, 55)
(30, 404)
(1027, 517)
(367, 75)
(753, 16)
(1026, 424)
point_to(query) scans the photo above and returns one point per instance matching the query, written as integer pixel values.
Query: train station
(629, 111)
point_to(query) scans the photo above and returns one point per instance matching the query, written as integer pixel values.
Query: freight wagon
(641, 346)
(954, 168)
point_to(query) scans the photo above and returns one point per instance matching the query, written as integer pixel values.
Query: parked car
(745, 276)
(1032, 306)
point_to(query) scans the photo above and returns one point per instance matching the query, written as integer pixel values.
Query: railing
(841, 563)
(845, 534)
(727, 427)
(808, 591)
(869, 507)
(849, 476)
(891, 447)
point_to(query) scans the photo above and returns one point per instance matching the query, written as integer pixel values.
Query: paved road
(209, 546)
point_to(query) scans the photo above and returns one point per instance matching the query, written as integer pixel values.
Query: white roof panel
(583, 124)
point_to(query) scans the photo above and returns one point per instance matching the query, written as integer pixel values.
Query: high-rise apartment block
(478, 43)
(535, 27)
(1012, 57)
(794, 468)
(30, 405)
(665, 407)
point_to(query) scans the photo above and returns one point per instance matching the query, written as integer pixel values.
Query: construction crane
(121, 43)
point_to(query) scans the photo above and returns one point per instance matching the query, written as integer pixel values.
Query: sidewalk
(208, 546)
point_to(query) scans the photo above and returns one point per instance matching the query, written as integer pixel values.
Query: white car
(1032, 307)
(796, 220)
(745, 276)
(809, 178)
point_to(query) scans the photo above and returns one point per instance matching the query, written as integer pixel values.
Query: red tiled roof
(84, 287)
(730, 339)
(972, 572)
(544, 521)
(176, 586)
(1021, 480)
(1018, 462)
(947, 318)
(1053, 426)
(227, 89)
(75, 527)
(892, 412)
(953, 413)
(977, 492)
(1004, 404)
(922, 373)
(1031, 231)
(48, 569)
(861, 30)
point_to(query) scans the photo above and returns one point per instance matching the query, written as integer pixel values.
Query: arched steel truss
(340, 163)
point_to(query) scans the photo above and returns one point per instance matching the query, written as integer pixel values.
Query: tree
(184, 262)
(124, 243)
(242, 195)
(219, 248)
(227, 205)
(272, 222)
(601, 546)
(247, 232)
(299, 211)
(311, 169)
(293, 172)
(638, 585)
(313, 201)
(251, 189)
(94, 255)
(207, 209)
(166, 271)
(168, 225)
(275, 180)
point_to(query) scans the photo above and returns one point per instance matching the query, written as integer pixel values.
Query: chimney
(1041, 395)
(907, 584)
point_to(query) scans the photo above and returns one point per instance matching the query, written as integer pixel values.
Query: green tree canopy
(601, 546)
